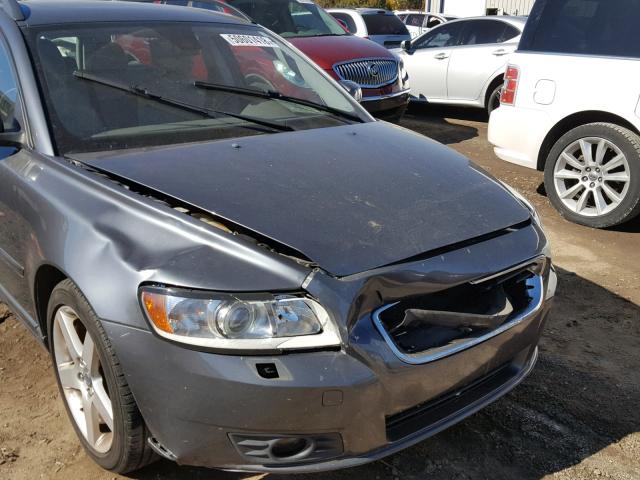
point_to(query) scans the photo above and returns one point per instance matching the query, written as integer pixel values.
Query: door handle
(500, 52)
(441, 56)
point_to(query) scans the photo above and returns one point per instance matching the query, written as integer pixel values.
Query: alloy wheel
(82, 379)
(592, 176)
(494, 101)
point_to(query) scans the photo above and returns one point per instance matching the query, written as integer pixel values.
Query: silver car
(225, 260)
(463, 61)
(381, 26)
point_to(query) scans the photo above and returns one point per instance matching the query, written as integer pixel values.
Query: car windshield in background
(116, 86)
(290, 18)
(382, 24)
(588, 27)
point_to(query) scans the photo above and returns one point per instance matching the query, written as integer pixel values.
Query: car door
(485, 45)
(428, 60)
(16, 169)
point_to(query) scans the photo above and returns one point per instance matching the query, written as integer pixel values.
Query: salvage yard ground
(576, 417)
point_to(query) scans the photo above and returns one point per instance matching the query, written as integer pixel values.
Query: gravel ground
(576, 417)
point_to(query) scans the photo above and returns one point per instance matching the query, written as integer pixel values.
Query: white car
(463, 61)
(571, 108)
(418, 22)
(381, 26)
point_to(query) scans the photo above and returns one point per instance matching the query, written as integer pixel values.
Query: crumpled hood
(327, 51)
(349, 198)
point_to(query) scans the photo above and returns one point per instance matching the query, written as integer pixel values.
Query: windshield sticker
(238, 40)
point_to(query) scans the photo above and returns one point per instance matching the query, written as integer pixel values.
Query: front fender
(109, 240)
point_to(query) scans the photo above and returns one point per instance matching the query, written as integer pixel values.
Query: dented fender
(110, 240)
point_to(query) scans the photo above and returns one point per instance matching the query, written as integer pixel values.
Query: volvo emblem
(373, 69)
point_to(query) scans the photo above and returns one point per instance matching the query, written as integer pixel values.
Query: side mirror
(353, 89)
(406, 46)
(15, 135)
(13, 139)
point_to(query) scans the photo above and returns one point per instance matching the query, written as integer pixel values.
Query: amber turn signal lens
(156, 308)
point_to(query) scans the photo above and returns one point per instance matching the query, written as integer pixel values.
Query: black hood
(349, 198)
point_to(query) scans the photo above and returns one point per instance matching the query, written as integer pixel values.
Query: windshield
(290, 18)
(130, 85)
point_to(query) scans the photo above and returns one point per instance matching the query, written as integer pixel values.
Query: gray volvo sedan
(230, 262)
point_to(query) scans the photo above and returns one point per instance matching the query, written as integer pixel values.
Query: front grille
(429, 327)
(370, 73)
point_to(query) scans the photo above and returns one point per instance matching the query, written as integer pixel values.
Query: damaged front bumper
(323, 410)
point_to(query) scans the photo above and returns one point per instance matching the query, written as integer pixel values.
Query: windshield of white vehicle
(290, 18)
(129, 85)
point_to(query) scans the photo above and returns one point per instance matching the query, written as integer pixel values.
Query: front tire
(93, 386)
(493, 100)
(592, 175)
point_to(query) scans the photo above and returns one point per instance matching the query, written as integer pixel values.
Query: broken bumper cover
(364, 405)
(454, 407)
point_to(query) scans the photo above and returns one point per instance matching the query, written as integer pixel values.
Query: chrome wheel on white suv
(592, 185)
(592, 175)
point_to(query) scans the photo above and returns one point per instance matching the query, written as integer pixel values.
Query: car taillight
(508, 96)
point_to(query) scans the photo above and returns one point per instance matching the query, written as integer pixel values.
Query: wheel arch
(573, 121)
(45, 280)
(495, 81)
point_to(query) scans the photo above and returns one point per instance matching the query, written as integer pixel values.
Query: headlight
(238, 322)
(526, 203)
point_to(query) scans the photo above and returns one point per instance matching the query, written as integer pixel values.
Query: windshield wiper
(205, 112)
(277, 96)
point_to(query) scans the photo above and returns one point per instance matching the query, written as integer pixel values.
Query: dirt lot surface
(576, 417)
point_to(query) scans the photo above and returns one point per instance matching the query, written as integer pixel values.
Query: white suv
(570, 106)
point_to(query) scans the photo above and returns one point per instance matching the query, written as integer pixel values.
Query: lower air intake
(287, 449)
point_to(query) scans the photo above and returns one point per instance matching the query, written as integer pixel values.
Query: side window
(414, 20)
(347, 19)
(8, 93)
(510, 32)
(483, 32)
(432, 22)
(444, 36)
(591, 27)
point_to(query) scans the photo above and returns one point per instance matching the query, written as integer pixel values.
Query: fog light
(274, 449)
(290, 447)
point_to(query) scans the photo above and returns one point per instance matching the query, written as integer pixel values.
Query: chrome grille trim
(359, 71)
(536, 286)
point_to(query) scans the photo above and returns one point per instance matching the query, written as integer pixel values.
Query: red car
(380, 74)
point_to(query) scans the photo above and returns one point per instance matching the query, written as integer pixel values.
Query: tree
(388, 4)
